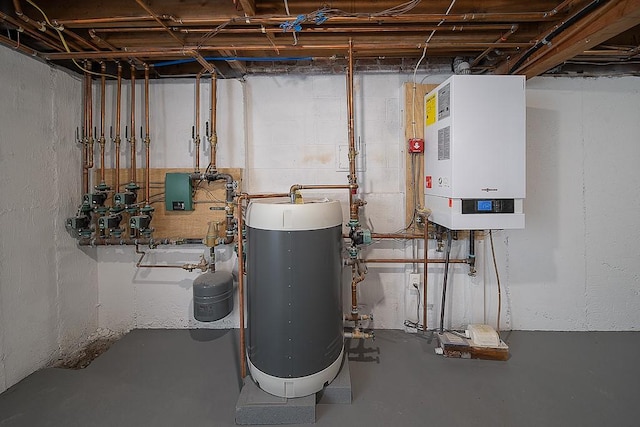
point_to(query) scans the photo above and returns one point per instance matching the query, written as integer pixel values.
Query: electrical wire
(495, 266)
(64, 42)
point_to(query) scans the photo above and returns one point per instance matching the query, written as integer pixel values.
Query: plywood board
(178, 224)
(414, 128)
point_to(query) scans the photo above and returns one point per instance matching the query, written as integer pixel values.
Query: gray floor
(178, 378)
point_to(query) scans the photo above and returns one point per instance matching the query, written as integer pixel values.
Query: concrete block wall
(293, 128)
(48, 287)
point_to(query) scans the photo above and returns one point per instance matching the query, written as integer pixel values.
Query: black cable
(444, 283)
(547, 40)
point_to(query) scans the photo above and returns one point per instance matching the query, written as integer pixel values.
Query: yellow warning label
(430, 110)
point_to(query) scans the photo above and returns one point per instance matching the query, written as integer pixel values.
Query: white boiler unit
(475, 152)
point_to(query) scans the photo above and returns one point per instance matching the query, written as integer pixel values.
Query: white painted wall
(48, 287)
(570, 269)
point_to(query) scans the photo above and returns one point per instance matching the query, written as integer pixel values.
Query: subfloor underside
(180, 377)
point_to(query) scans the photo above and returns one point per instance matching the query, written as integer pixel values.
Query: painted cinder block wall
(572, 268)
(48, 287)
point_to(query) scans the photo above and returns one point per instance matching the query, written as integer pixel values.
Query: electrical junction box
(475, 152)
(178, 192)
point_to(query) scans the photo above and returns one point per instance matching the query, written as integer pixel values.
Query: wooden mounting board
(178, 224)
(409, 105)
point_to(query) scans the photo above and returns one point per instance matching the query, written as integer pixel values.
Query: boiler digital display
(485, 205)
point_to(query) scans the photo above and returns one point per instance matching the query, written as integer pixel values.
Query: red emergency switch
(416, 145)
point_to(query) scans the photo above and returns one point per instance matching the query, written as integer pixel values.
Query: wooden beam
(598, 27)
(249, 7)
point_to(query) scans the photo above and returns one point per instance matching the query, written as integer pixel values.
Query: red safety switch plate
(416, 145)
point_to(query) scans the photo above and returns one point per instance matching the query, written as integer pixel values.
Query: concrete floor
(178, 377)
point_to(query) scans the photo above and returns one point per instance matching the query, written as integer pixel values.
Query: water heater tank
(294, 298)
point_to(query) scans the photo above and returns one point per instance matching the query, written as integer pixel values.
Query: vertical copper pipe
(85, 133)
(90, 118)
(147, 139)
(213, 138)
(243, 363)
(353, 180)
(103, 85)
(117, 139)
(426, 274)
(133, 124)
(196, 138)
(240, 221)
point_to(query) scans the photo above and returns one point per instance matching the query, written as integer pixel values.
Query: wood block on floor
(453, 345)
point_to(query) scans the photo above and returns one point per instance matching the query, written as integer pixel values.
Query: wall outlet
(414, 280)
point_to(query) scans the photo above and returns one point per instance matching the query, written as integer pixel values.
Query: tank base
(295, 387)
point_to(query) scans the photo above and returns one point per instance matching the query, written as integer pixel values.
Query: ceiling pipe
(177, 53)
(159, 21)
(278, 19)
(343, 29)
(501, 39)
(43, 38)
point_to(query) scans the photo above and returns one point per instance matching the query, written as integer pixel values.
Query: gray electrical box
(178, 192)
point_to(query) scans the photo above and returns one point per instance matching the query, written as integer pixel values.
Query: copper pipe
(20, 14)
(147, 138)
(240, 221)
(38, 35)
(117, 140)
(101, 141)
(213, 137)
(396, 236)
(196, 137)
(85, 135)
(202, 265)
(357, 276)
(190, 51)
(88, 144)
(323, 30)
(159, 21)
(277, 19)
(501, 39)
(426, 275)
(80, 23)
(411, 261)
(353, 179)
(114, 241)
(132, 140)
(99, 40)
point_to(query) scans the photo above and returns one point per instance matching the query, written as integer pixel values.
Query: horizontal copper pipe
(433, 18)
(342, 29)
(36, 34)
(411, 261)
(191, 51)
